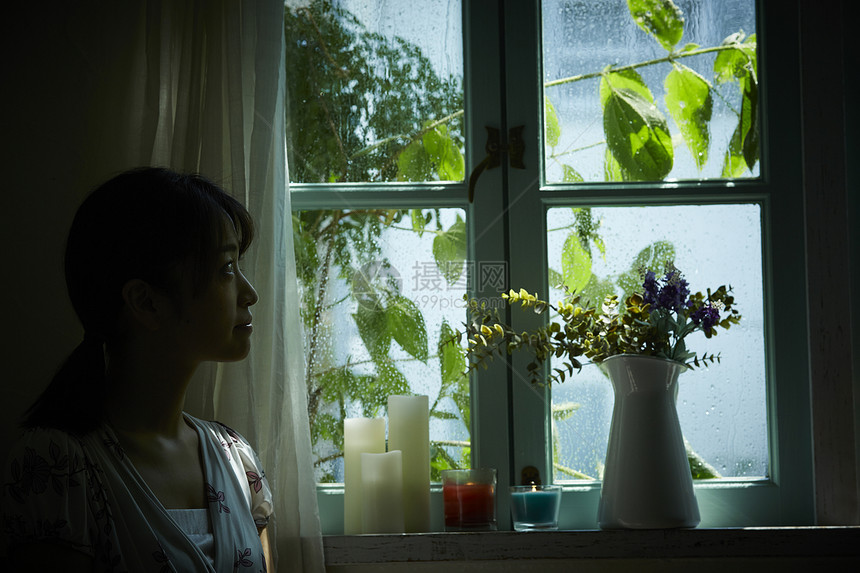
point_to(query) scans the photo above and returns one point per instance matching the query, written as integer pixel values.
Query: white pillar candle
(382, 493)
(360, 435)
(409, 432)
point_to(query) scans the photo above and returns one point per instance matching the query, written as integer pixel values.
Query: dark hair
(151, 224)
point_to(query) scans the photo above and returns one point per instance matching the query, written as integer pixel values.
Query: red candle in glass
(469, 499)
(469, 504)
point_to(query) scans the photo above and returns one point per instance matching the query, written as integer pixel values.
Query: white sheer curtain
(198, 85)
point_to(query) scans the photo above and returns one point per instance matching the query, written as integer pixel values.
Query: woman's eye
(230, 267)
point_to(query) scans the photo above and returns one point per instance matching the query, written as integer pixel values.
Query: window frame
(510, 419)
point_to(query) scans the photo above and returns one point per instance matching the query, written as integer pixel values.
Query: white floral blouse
(84, 492)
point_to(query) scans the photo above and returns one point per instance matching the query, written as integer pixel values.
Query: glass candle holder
(535, 507)
(469, 498)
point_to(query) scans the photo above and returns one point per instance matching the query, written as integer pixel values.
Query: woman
(111, 474)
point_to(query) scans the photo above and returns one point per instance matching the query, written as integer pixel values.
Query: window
(679, 108)
(387, 286)
(377, 135)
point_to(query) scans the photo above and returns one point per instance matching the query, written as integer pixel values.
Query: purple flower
(669, 293)
(650, 288)
(708, 316)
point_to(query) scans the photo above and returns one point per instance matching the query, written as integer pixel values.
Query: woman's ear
(145, 304)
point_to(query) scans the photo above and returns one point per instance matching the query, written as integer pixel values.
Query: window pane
(379, 290)
(692, 118)
(722, 408)
(374, 91)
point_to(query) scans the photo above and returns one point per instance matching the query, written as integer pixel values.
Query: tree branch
(670, 58)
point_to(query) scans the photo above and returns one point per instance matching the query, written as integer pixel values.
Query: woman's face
(215, 324)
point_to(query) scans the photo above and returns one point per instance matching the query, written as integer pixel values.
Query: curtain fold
(198, 85)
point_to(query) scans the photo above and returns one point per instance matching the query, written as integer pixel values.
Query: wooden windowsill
(756, 542)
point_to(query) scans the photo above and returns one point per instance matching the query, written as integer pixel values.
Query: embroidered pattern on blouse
(218, 496)
(32, 473)
(255, 480)
(242, 559)
(160, 556)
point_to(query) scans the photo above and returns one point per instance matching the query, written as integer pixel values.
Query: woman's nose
(248, 295)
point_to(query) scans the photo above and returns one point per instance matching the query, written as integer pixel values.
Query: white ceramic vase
(646, 479)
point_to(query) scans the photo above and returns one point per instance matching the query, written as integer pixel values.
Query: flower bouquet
(652, 322)
(640, 345)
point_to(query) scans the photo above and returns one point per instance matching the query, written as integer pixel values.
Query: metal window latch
(494, 147)
(530, 475)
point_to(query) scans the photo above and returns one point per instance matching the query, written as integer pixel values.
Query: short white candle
(360, 435)
(409, 432)
(382, 493)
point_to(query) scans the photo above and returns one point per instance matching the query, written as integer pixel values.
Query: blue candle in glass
(535, 507)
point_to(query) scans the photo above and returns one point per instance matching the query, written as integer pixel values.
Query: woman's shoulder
(46, 489)
(227, 435)
(39, 458)
(233, 445)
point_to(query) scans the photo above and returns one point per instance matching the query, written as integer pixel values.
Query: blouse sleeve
(262, 505)
(246, 461)
(45, 489)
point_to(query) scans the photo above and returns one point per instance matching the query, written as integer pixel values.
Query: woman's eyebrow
(229, 248)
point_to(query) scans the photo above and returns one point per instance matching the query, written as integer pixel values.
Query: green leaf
(575, 264)
(635, 130)
(418, 221)
(733, 64)
(339, 382)
(564, 410)
(749, 120)
(734, 164)
(628, 80)
(743, 150)
(373, 283)
(414, 163)
(554, 277)
(552, 129)
(389, 381)
(445, 154)
(612, 170)
(373, 329)
(654, 257)
(660, 18)
(596, 290)
(463, 400)
(442, 415)
(440, 461)
(449, 251)
(451, 358)
(406, 326)
(688, 98)
(571, 175)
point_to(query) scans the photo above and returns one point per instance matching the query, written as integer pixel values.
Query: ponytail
(74, 400)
